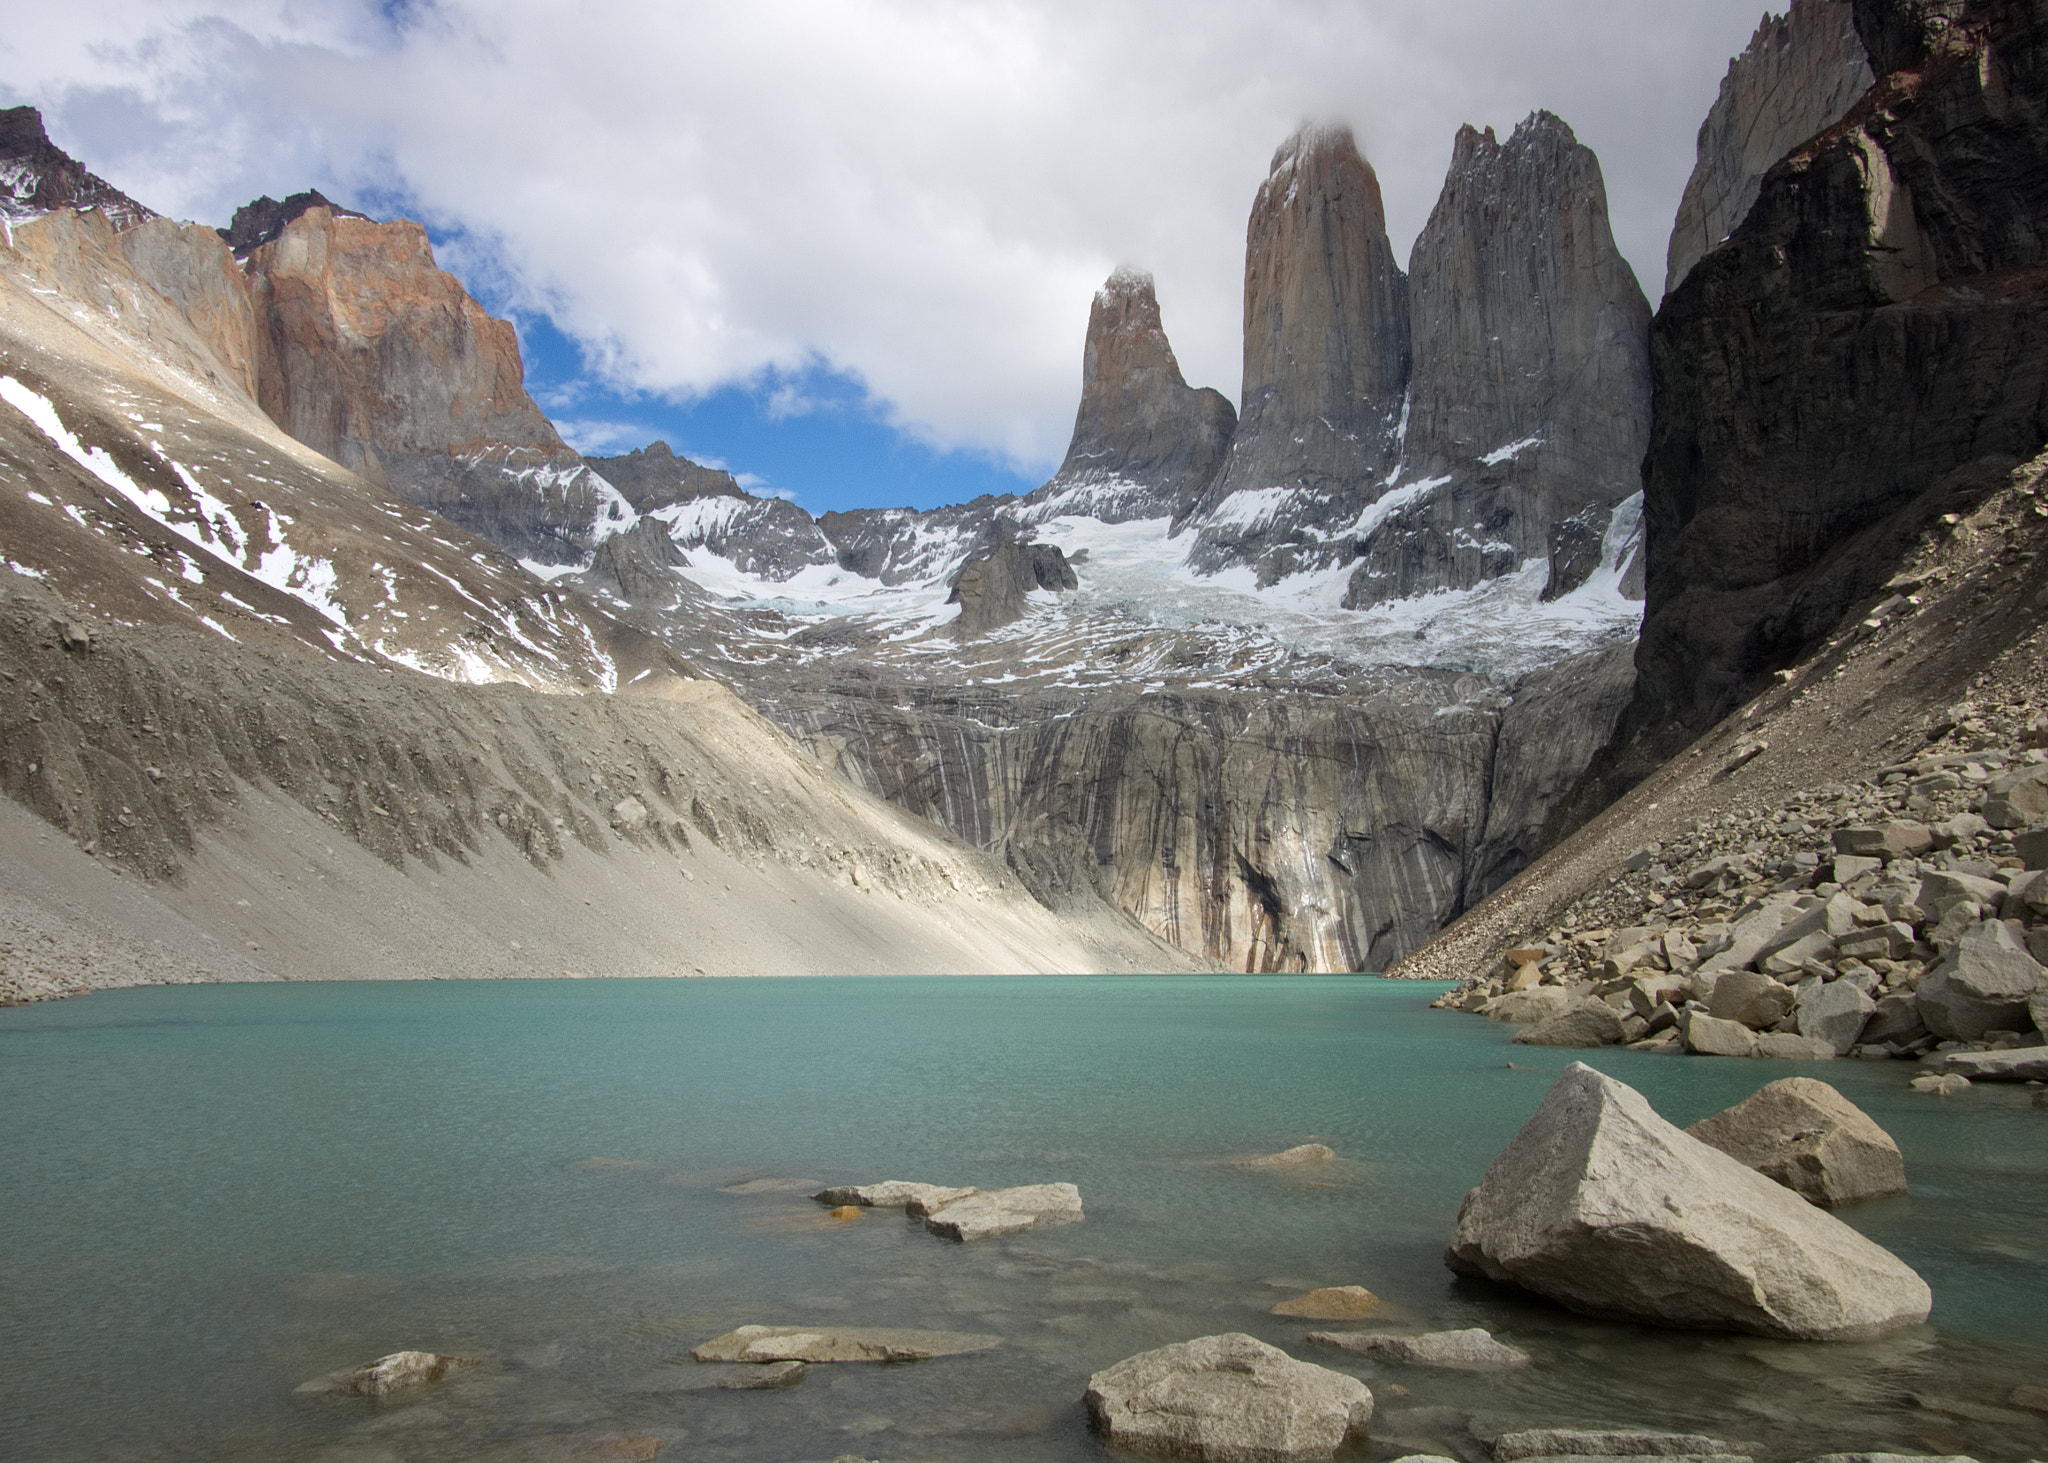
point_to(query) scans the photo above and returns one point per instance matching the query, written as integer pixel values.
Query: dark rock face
(1868, 350)
(1145, 443)
(1800, 72)
(1530, 398)
(901, 545)
(638, 567)
(1325, 360)
(654, 477)
(1267, 831)
(991, 586)
(256, 224)
(37, 176)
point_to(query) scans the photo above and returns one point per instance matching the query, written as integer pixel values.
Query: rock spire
(1325, 341)
(1530, 397)
(1800, 72)
(1145, 443)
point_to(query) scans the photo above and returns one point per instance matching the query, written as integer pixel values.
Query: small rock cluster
(964, 1214)
(1899, 916)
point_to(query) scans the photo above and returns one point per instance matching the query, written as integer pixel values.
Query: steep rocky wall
(1530, 398)
(1267, 832)
(1800, 72)
(1145, 443)
(375, 357)
(1325, 350)
(653, 477)
(1868, 351)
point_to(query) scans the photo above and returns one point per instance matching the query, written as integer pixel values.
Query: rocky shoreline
(1904, 915)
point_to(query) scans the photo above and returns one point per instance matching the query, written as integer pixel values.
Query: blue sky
(848, 246)
(816, 437)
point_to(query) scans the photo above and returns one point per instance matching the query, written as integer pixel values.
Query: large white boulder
(1005, 1211)
(1811, 1139)
(1983, 984)
(1227, 1399)
(1602, 1206)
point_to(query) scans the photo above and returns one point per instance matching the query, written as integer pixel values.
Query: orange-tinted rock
(1332, 1303)
(373, 355)
(847, 1211)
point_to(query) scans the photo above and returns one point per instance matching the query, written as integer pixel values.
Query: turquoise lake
(214, 1193)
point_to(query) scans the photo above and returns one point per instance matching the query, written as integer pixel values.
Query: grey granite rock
(401, 1371)
(1808, 1137)
(990, 1212)
(1587, 1022)
(1835, 1012)
(1227, 1399)
(838, 1343)
(1800, 71)
(1984, 983)
(1576, 1442)
(1145, 443)
(893, 1194)
(1603, 1207)
(1472, 1349)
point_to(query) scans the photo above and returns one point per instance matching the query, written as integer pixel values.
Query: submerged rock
(398, 1372)
(1810, 1138)
(893, 1194)
(1227, 1399)
(1602, 1206)
(1470, 1349)
(839, 1343)
(2020, 1064)
(1005, 1211)
(1332, 1303)
(767, 1377)
(1295, 1157)
(1573, 1442)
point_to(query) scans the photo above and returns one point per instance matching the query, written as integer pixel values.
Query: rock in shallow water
(1605, 1208)
(1590, 1022)
(1469, 1350)
(1005, 1211)
(1299, 1156)
(1227, 1399)
(387, 1374)
(838, 1343)
(894, 1194)
(1811, 1139)
(1573, 1442)
(1332, 1303)
(765, 1378)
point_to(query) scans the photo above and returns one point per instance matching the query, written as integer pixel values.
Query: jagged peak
(38, 177)
(1125, 282)
(257, 223)
(1540, 130)
(1320, 155)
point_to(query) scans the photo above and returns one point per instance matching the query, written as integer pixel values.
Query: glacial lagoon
(214, 1193)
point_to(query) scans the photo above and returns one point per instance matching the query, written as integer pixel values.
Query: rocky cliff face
(256, 224)
(376, 358)
(993, 586)
(1800, 72)
(1868, 351)
(1268, 832)
(1325, 361)
(1145, 444)
(38, 177)
(654, 477)
(1529, 404)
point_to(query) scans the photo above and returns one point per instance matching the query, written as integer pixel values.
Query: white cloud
(922, 194)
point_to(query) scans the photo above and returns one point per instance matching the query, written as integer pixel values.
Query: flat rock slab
(1607, 1442)
(1472, 1349)
(894, 1194)
(1602, 1206)
(839, 1343)
(765, 1378)
(1005, 1211)
(1227, 1399)
(1891, 1458)
(1810, 1138)
(1299, 1156)
(2021, 1064)
(398, 1372)
(1332, 1303)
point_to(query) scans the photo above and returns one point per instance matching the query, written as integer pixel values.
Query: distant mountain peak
(39, 177)
(256, 224)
